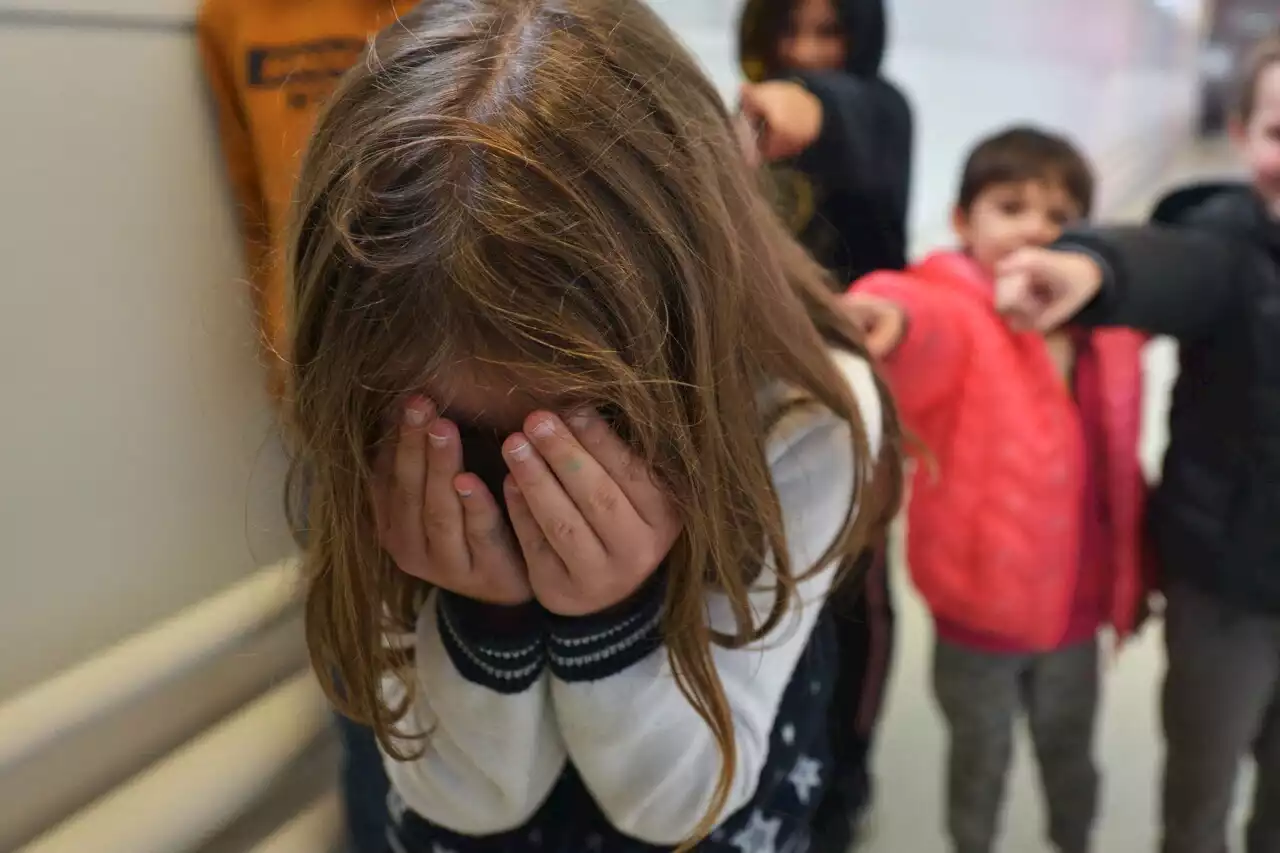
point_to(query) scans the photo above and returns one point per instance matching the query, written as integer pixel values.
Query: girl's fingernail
(544, 428)
(415, 414)
(436, 438)
(582, 418)
(519, 452)
(463, 491)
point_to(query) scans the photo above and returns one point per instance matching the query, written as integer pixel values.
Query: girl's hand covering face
(592, 524)
(591, 521)
(440, 524)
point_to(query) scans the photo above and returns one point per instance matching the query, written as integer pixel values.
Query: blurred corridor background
(142, 471)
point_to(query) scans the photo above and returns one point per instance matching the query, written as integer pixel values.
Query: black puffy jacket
(1208, 273)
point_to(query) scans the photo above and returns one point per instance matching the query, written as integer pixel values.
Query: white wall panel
(1118, 75)
(137, 468)
(162, 9)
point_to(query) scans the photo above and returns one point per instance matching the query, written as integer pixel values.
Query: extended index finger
(1013, 297)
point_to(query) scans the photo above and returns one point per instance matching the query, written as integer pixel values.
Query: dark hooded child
(836, 135)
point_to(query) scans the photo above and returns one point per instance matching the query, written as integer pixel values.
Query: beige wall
(138, 469)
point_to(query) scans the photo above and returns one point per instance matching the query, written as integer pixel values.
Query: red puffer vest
(994, 523)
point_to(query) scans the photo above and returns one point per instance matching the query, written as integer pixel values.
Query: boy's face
(814, 39)
(1259, 138)
(1010, 216)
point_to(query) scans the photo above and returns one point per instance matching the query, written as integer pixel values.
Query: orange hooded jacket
(270, 65)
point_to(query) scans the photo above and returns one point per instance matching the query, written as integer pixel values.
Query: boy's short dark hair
(1027, 154)
(1261, 57)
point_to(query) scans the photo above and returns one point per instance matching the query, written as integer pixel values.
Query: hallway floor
(908, 816)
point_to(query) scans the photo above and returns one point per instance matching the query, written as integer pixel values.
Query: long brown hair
(552, 185)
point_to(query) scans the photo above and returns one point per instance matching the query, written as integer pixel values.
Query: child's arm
(926, 362)
(1167, 281)
(649, 760)
(242, 171)
(492, 750)
(852, 133)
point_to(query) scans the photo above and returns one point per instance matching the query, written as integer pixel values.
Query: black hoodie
(846, 195)
(1208, 273)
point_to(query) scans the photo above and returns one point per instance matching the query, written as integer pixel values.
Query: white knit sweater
(500, 735)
